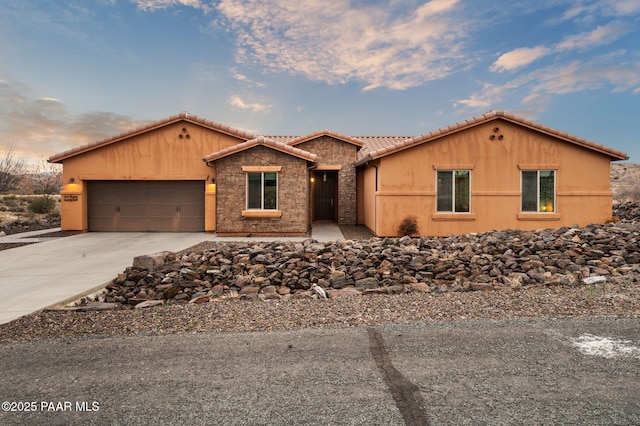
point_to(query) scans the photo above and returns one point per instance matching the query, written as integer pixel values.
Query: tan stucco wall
(367, 195)
(159, 154)
(407, 182)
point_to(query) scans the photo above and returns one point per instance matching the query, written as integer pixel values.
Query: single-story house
(185, 173)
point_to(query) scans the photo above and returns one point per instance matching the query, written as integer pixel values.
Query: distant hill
(625, 181)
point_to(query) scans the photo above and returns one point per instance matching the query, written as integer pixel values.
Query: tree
(12, 168)
(47, 178)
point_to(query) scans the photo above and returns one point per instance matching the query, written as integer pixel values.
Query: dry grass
(625, 182)
(15, 208)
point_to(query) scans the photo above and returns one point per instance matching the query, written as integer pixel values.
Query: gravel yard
(620, 299)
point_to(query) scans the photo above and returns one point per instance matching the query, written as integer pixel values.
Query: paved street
(472, 372)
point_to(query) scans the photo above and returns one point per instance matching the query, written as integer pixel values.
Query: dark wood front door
(325, 191)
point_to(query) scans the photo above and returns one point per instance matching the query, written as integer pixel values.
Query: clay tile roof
(263, 141)
(491, 115)
(183, 116)
(370, 147)
(326, 132)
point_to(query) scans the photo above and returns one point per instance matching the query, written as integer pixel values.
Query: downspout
(375, 203)
(211, 180)
(310, 196)
(375, 167)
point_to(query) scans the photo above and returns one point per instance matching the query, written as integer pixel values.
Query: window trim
(453, 192)
(537, 195)
(262, 188)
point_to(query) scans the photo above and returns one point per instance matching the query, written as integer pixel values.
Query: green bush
(409, 226)
(42, 205)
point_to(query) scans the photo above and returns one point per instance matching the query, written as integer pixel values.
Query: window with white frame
(262, 191)
(453, 192)
(539, 191)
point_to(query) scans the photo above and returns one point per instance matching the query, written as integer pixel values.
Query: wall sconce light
(72, 179)
(213, 180)
(313, 179)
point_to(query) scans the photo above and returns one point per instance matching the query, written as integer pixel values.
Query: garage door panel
(167, 206)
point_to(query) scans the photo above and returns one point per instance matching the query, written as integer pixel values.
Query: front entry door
(325, 191)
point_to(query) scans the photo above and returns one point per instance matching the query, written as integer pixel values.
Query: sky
(76, 71)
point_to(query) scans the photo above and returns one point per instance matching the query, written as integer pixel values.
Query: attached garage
(148, 179)
(162, 206)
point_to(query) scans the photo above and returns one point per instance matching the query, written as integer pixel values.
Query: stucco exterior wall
(333, 152)
(368, 194)
(407, 181)
(173, 152)
(291, 217)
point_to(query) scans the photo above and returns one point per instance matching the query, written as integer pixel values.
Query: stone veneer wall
(293, 193)
(331, 152)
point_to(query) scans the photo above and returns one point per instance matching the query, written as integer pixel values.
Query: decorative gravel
(619, 296)
(618, 299)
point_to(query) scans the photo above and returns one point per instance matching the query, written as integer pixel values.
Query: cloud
(536, 99)
(44, 126)
(152, 5)
(518, 58)
(587, 10)
(491, 94)
(390, 45)
(240, 77)
(523, 56)
(237, 102)
(602, 35)
(609, 72)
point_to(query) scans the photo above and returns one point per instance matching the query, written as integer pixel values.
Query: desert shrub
(42, 205)
(409, 226)
(11, 201)
(629, 194)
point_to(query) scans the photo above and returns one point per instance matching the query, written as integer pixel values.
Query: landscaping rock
(148, 304)
(510, 259)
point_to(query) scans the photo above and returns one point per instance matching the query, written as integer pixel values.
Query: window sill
(538, 216)
(261, 213)
(453, 216)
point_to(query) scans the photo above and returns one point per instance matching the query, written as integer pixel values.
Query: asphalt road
(470, 372)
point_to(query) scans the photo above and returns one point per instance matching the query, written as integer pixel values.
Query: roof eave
(613, 154)
(261, 141)
(326, 132)
(183, 116)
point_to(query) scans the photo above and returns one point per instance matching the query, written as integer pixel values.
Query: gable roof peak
(182, 116)
(484, 118)
(326, 132)
(261, 141)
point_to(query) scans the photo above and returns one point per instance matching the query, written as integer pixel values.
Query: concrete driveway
(39, 275)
